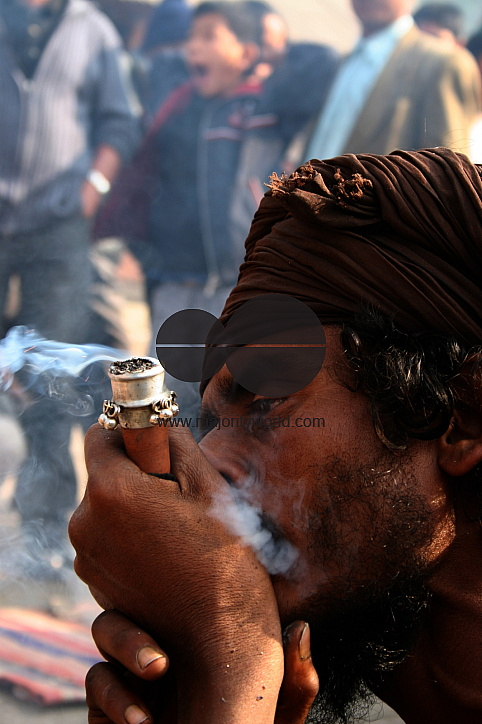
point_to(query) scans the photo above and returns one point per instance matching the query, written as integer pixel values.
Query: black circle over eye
(293, 350)
(180, 344)
(287, 341)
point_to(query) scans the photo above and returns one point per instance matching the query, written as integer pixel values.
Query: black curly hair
(243, 23)
(412, 379)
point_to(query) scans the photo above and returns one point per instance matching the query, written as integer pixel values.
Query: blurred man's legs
(55, 282)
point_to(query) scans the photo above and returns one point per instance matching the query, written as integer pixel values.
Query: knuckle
(101, 621)
(81, 568)
(98, 493)
(100, 627)
(93, 675)
(110, 696)
(75, 527)
(114, 632)
(98, 685)
(102, 687)
(311, 685)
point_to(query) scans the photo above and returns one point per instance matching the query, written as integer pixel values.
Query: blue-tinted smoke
(53, 369)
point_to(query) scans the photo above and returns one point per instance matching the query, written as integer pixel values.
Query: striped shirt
(51, 125)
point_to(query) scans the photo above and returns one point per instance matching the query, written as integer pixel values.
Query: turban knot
(401, 232)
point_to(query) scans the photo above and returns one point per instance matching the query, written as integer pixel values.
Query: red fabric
(44, 658)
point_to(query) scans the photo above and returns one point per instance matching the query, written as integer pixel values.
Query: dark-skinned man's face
(363, 519)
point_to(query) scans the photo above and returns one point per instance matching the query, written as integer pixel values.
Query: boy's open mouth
(199, 71)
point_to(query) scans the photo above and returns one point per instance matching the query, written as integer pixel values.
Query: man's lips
(266, 520)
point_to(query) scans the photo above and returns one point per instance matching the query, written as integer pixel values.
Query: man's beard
(373, 625)
(357, 647)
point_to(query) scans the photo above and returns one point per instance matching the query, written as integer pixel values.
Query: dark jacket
(199, 230)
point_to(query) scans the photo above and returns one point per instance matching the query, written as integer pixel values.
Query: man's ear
(251, 55)
(460, 448)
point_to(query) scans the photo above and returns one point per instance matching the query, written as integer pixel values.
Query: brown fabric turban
(402, 232)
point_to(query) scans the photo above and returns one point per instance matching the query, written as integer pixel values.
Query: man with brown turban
(398, 88)
(381, 505)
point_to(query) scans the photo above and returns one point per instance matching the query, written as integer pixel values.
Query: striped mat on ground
(42, 658)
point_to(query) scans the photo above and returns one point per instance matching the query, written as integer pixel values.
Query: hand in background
(90, 200)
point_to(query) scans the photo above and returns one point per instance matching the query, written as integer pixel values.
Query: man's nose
(234, 467)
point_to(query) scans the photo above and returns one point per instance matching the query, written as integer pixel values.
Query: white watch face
(98, 181)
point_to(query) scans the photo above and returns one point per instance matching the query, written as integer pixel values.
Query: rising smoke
(31, 368)
(244, 518)
(47, 368)
(24, 348)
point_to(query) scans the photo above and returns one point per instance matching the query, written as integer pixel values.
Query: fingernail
(147, 655)
(304, 646)
(134, 715)
(289, 631)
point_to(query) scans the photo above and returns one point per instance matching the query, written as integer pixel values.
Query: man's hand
(106, 161)
(89, 200)
(151, 549)
(128, 688)
(114, 696)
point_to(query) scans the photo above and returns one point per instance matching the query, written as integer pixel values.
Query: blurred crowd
(135, 145)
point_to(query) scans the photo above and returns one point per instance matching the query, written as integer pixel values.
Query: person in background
(180, 226)
(274, 36)
(197, 222)
(296, 77)
(157, 67)
(67, 125)
(474, 46)
(13, 448)
(399, 88)
(159, 64)
(444, 20)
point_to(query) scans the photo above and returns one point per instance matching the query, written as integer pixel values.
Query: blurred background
(131, 162)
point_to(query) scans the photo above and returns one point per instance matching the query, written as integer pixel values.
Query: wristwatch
(98, 181)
